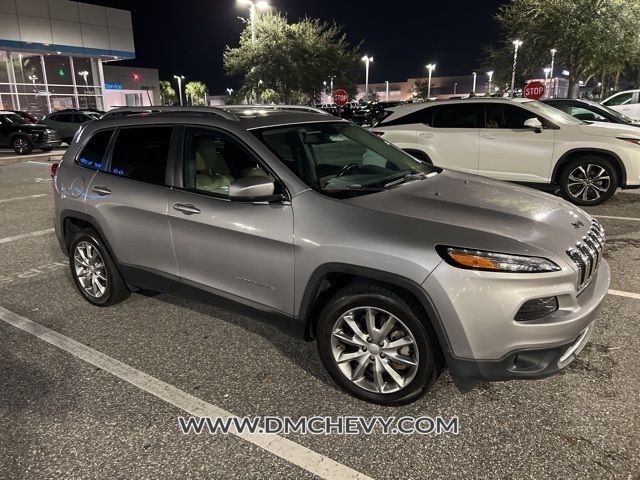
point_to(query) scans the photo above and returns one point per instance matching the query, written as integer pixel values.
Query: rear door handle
(425, 135)
(488, 137)
(186, 208)
(102, 191)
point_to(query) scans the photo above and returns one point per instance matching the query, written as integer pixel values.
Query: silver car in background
(395, 267)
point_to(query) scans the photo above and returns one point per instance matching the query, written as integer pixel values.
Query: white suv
(627, 103)
(520, 141)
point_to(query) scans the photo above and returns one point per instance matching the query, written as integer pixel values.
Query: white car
(520, 141)
(627, 103)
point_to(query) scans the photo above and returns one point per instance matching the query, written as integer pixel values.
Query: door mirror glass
(533, 123)
(253, 189)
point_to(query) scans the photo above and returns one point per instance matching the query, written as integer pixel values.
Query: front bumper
(485, 343)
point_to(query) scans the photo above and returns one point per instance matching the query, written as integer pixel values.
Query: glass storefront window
(87, 74)
(27, 67)
(58, 69)
(60, 102)
(4, 67)
(34, 103)
(35, 88)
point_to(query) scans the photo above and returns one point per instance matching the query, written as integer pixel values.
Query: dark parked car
(30, 117)
(67, 122)
(23, 136)
(589, 111)
(372, 113)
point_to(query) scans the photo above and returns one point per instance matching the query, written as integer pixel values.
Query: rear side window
(93, 154)
(457, 116)
(622, 99)
(141, 154)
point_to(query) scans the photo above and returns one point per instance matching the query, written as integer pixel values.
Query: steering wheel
(347, 169)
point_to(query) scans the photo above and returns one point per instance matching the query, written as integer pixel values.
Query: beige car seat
(212, 172)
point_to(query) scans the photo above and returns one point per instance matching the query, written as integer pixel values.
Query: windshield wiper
(406, 178)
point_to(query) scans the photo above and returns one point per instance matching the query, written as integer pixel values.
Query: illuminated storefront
(52, 53)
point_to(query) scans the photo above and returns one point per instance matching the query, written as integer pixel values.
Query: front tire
(94, 272)
(21, 145)
(589, 180)
(376, 345)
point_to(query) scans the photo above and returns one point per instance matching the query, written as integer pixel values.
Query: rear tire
(588, 180)
(94, 272)
(21, 145)
(387, 365)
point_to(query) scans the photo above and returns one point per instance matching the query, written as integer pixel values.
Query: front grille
(587, 254)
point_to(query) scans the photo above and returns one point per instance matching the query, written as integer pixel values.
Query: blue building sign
(113, 86)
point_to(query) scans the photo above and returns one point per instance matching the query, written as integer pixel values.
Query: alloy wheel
(374, 349)
(588, 183)
(20, 145)
(90, 270)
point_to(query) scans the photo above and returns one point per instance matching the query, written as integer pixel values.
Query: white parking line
(618, 218)
(25, 197)
(303, 457)
(620, 293)
(40, 163)
(37, 233)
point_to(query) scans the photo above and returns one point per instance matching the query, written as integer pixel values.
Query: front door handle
(186, 208)
(488, 137)
(102, 191)
(425, 135)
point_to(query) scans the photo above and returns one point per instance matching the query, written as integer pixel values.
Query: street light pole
(553, 61)
(473, 89)
(253, 6)
(179, 78)
(367, 60)
(517, 44)
(546, 79)
(431, 67)
(387, 85)
(490, 74)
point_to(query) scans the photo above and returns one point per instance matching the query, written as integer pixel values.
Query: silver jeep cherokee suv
(395, 267)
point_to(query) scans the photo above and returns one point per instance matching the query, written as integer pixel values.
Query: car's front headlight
(495, 262)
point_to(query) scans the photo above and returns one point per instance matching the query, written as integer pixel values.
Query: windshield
(553, 113)
(13, 119)
(614, 113)
(341, 159)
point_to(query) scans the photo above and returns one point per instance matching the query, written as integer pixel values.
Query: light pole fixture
(84, 74)
(473, 89)
(517, 44)
(546, 71)
(229, 91)
(431, 67)
(490, 75)
(386, 82)
(455, 88)
(253, 6)
(33, 78)
(367, 60)
(179, 78)
(553, 62)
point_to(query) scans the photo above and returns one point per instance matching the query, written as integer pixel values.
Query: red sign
(534, 90)
(340, 97)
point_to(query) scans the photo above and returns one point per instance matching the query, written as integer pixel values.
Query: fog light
(537, 308)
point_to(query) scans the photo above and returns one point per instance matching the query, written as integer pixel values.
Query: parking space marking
(618, 218)
(40, 163)
(25, 197)
(620, 293)
(303, 457)
(37, 233)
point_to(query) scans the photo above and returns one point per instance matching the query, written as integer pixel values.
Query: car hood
(482, 204)
(609, 130)
(32, 127)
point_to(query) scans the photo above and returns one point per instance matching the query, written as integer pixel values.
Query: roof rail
(127, 111)
(302, 108)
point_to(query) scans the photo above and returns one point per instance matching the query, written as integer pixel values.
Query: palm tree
(197, 91)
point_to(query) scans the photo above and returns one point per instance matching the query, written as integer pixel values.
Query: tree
(167, 93)
(197, 91)
(421, 87)
(592, 37)
(292, 59)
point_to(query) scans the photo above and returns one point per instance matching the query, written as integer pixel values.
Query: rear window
(141, 154)
(93, 154)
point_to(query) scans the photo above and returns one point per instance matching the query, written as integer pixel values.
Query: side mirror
(534, 124)
(253, 189)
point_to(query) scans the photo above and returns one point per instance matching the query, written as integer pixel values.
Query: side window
(212, 161)
(424, 115)
(621, 99)
(457, 116)
(507, 116)
(141, 154)
(64, 117)
(93, 153)
(589, 115)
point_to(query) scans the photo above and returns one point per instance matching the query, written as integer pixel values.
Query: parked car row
(25, 132)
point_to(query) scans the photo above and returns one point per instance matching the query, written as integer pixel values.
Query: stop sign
(534, 90)
(340, 97)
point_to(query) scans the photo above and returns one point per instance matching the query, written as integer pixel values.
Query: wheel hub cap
(588, 183)
(374, 349)
(90, 269)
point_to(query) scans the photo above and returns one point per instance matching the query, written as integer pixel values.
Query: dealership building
(53, 55)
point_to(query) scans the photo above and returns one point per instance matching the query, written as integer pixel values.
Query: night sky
(188, 36)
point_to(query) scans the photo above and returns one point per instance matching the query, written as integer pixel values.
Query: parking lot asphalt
(62, 417)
